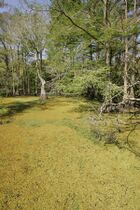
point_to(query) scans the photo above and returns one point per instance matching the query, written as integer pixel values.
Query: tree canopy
(80, 47)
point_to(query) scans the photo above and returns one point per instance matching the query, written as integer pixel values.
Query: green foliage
(83, 43)
(3, 111)
(91, 84)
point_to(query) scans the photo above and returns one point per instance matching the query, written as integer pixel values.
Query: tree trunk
(23, 76)
(28, 85)
(43, 92)
(106, 23)
(134, 38)
(43, 82)
(13, 83)
(125, 77)
(7, 63)
(36, 84)
(107, 51)
(125, 93)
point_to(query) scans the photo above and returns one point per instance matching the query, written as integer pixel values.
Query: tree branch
(61, 10)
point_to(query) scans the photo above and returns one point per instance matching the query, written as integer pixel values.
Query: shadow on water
(88, 107)
(9, 110)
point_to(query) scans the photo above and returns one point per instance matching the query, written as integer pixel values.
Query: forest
(88, 48)
(70, 104)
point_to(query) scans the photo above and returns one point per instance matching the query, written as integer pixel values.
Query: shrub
(90, 84)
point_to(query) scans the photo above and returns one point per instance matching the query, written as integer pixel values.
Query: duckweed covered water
(48, 161)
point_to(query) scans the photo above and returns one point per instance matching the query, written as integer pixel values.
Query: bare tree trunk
(107, 51)
(43, 92)
(134, 38)
(7, 63)
(13, 83)
(107, 47)
(43, 82)
(28, 85)
(125, 93)
(36, 84)
(23, 87)
(125, 77)
(23, 76)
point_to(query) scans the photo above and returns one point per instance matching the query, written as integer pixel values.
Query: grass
(48, 160)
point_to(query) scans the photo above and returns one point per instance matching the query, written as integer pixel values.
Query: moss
(48, 161)
(4, 111)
